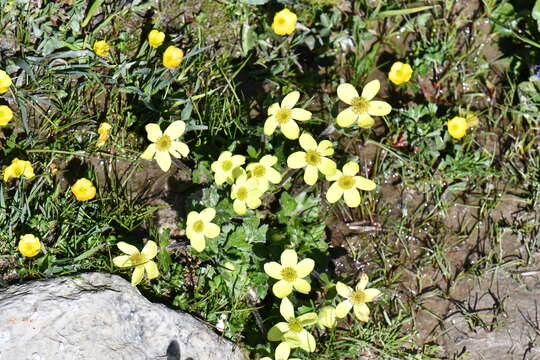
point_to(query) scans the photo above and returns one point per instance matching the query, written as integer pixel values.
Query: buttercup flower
(104, 131)
(101, 48)
(362, 107)
(245, 192)
(172, 57)
(400, 73)
(346, 185)
(327, 317)
(292, 331)
(83, 189)
(227, 167)
(356, 299)
(264, 172)
(199, 227)
(283, 116)
(5, 115)
(283, 350)
(165, 144)
(29, 245)
(5, 81)
(457, 127)
(284, 22)
(141, 261)
(290, 274)
(313, 159)
(156, 38)
(19, 168)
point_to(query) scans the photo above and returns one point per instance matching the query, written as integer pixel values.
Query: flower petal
(282, 351)
(178, 149)
(297, 160)
(352, 197)
(346, 93)
(363, 282)
(346, 117)
(371, 294)
(268, 160)
(351, 168)
(149, 152)
(239, 207)
(270, 125)
(343, 308)
(334, 193)
(289, 258)
(300, 114)
(127, 248)
(311, 174)
(277, 331)
(273, 269)
(273, 109)
(150, 250)
(304, 267)
(286, 309)
(137, 275)
(290, 100)
(238, 160)
(362, 312)
(343, 290)
(122, 261)
(211, 230)
(325, 148)
(365, 121)
(302, 286)
(307, 341)
(308, 319)
(153, 132)
(327, 166)
(152, 271)
(291, 130)
(307, 142)
(379, 108)
(176, 129)
(197, 241)
(273, 175)
(364, 184)
(371, 89)
(207, 215)
(282, 288)
(163, 160)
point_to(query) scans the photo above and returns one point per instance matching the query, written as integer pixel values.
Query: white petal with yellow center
(127, 248)
(289, 258)
(307, 142)
(291, 130)
(149, 250)
(273, 269)
(351, 168)
(153, 132)
(379, 108)
(343, 308)
(371, 89)
(334, 193)
(297, 160)
(290, 100)
(346, 93)
(273, 109)
(311, 175)
(175, 129)
(163, 160)
(343, 290)
(302, 286)
(346, 118)
(282, 288)
(270, 125)
(352, 197)
(300, 114)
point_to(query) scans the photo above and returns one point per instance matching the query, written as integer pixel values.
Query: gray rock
(102, 317)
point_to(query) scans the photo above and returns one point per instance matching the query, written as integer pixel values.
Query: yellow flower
(283, 350)
(227, 167)
(313, 159)
(165, 144)
(172, 57)
(83, 189)
(356, 299)
(284, 116)
(327, 317)
(199, 227)
(362, 107)
(19, 168)
(104, 131)
(29, 245)
(102, 48)
(141, 261)
(245, 192)
(5, 115)
(400, 73)
(284, 22)
(263, 172)
(292, 331)
(457, 127)
(346, 184)
(156, 38)
(5, 81)
(290, 274)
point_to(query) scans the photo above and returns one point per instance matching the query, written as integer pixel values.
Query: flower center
(198, 226)
(281, 21)
(358, 297)
(242, 194)
(283, 115)
(227, 165)
(289, 274)
(359, 105)
(346, 182)
(295, 325)
(137, 259)
(259, 171)
(313, 157)
(18, 170)
(163, 143)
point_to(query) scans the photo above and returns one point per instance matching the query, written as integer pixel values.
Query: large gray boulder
(102, 317)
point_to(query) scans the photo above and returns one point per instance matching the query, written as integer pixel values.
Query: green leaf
(409, 11)
(95, 6)
(536, 13)
(288, 204)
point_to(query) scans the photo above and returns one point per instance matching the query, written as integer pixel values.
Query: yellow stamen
(289, 274)
(198, 226)
(359, 105)
(163, 143)
(283, 116)
(346, 182)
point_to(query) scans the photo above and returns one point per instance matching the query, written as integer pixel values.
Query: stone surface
(100, 316)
